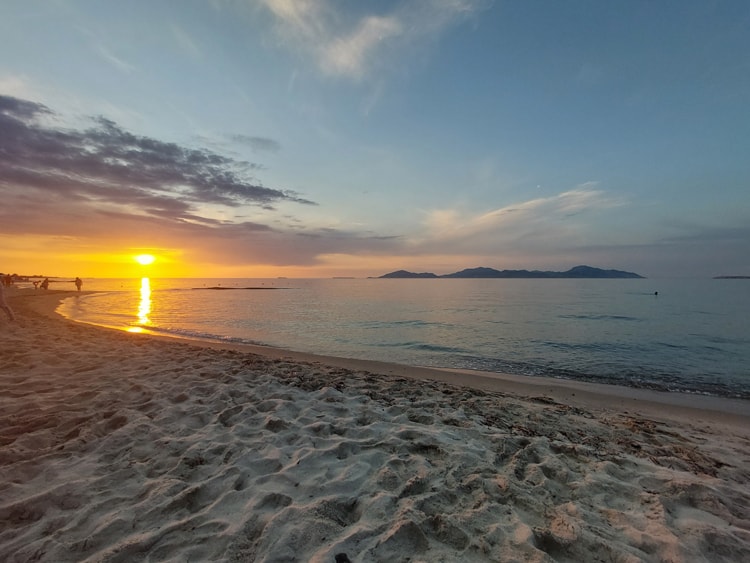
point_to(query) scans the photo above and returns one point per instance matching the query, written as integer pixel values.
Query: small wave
(420, 346)
(654, 380)
(600, 317)
(722, 340)
(433, 348)
(220, 288)
(622, 350)
(384, 325)
(197, 335)
(673, 346)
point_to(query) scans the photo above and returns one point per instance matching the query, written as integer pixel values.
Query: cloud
(582, 226)
(105, 187)
(117, 62)
(260, 144)
(186, 43)
(349, 55)
(21, 110)
(534, 224)
(352, 46)
(105, 161)
(16, 85)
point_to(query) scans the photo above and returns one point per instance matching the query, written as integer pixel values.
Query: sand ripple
(115, 447)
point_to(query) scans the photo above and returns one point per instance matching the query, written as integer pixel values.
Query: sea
(681, 335)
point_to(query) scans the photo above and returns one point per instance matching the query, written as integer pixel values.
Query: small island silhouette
(581, 272)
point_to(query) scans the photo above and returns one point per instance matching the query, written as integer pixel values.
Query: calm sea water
(693, 336)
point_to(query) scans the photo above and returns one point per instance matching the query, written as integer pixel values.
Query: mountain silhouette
(581, 272)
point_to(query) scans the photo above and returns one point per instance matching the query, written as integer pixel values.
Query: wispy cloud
(353, 47)
(536, 222)
(260, 144)
(349, 55)
(117, 62)
(186, 43)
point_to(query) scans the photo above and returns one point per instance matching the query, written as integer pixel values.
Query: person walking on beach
(79, 283)
(45, 284)
(4, 304)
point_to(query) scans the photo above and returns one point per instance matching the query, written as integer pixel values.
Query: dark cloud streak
(105, 161)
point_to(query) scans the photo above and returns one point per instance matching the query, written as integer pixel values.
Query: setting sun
(145, 259)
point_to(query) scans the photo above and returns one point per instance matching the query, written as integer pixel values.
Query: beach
(117, 446)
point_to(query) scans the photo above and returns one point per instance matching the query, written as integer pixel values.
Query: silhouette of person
(45, 284)
(4, 304)
(79, 283)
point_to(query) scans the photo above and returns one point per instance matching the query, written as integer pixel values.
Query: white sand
(125, 447)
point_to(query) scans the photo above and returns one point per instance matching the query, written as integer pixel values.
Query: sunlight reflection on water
(144, 306)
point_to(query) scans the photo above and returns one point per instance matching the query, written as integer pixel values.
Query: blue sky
(357, 138)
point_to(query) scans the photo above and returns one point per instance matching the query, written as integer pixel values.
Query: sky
(319, 138)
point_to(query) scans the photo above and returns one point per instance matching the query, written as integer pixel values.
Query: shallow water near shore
(693, 336)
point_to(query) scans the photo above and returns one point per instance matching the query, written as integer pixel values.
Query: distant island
(220, 288)
(581, 272)
(732, 277)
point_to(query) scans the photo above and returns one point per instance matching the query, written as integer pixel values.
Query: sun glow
(145, 259)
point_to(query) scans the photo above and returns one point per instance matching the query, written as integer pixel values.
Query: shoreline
(708, 362)
(668, 405)
(118, 446)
